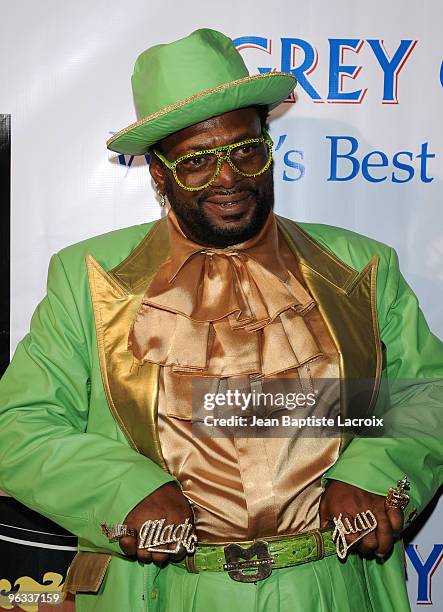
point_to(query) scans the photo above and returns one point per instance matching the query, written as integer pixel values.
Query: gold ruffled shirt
(223, 315)
(224, 312)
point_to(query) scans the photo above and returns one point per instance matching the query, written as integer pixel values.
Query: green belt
(237, 558)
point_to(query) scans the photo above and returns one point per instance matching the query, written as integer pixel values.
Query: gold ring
(118, 531)
(396, 496)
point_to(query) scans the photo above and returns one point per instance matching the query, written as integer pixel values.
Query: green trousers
(329, 585)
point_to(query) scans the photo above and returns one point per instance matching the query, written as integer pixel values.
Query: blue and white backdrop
(359, 146)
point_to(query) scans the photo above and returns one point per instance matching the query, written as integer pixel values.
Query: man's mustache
(224, 192)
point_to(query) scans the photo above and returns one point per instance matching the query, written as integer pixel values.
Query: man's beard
(205, 232)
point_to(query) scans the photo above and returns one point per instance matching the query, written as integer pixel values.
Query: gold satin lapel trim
(86, 572)
(131, 390)
(347, 300)
(139, 267)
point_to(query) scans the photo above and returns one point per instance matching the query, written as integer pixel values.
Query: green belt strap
(284, 551)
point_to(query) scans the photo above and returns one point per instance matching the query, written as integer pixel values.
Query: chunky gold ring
(396, 496)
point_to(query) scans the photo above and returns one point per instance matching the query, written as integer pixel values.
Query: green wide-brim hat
(179, 84)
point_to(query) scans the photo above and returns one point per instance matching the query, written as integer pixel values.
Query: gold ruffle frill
(226, 312)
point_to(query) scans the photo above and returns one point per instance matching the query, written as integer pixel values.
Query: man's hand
(349, 500)
(165, 502)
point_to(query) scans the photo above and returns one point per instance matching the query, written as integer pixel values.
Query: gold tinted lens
(197, 170)
(250, 158)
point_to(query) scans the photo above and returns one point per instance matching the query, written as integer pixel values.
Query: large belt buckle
(236, 568)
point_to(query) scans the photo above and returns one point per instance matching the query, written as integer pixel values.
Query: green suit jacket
(78, 432)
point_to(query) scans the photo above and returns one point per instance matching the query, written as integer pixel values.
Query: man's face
(234, 208)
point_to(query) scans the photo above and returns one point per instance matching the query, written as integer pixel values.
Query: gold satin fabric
(220, 314)
(199, 310)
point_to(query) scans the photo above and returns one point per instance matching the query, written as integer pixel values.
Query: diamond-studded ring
(396, 496)
(118, 531)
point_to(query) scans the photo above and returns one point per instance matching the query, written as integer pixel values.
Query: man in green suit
(96, 406)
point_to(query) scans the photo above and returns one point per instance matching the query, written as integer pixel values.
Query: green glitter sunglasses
(199, 169)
